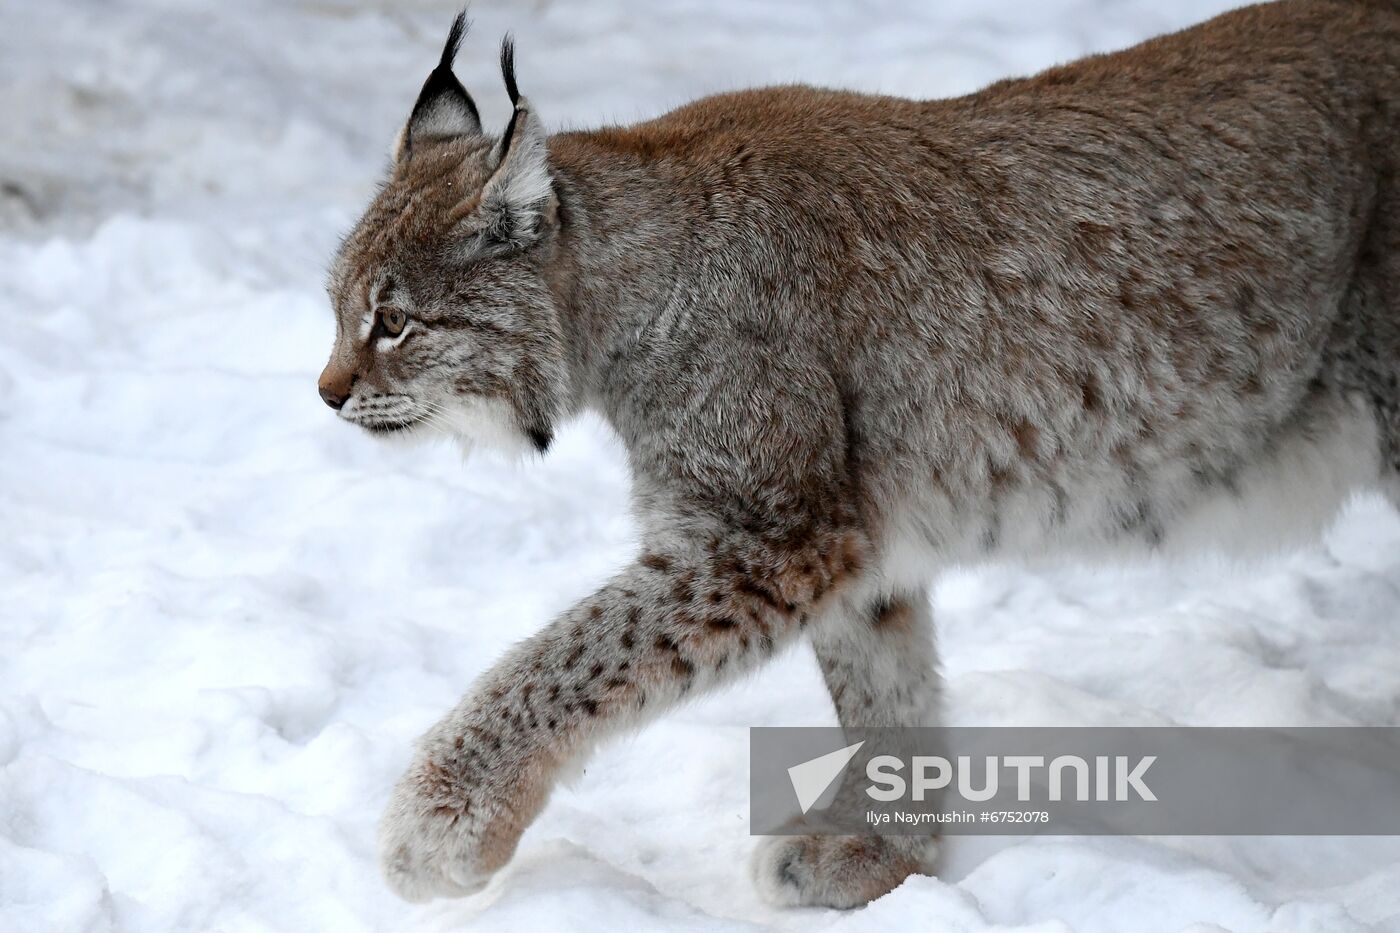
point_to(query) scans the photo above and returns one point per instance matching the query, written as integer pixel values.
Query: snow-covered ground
(224, 615)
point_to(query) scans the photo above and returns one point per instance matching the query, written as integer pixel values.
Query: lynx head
(444, 321)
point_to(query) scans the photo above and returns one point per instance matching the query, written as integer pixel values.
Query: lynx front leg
(682, 619)
(878, 661)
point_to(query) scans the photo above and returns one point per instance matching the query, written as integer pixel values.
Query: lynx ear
(518, 198)
(444, 108)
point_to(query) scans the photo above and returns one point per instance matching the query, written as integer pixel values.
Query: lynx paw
(428, 839)
(444, 834)
(837, 871)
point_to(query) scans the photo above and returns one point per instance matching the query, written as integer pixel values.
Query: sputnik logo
(811, 779)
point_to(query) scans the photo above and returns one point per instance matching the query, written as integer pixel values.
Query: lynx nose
(334, 386)
(330, 398)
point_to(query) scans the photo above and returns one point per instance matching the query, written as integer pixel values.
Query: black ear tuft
(508, 72)
(508, 69)
(454, 41)
(444, 108)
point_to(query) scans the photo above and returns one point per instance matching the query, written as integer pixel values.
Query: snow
(224, 615)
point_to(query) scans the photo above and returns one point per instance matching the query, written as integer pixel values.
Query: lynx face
(444, 323)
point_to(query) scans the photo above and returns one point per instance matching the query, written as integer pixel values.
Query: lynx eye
(394, 321)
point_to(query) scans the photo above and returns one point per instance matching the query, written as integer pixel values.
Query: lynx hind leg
(879, 665)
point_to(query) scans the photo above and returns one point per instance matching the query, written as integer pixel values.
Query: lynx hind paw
(838, 871)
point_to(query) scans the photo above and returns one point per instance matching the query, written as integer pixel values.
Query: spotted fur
(1132, 303)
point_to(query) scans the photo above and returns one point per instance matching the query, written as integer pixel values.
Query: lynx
(1134, 303)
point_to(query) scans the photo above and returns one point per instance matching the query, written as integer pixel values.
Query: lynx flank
(1143, 301)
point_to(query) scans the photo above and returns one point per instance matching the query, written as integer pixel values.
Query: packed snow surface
(224, 615)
